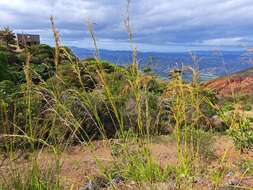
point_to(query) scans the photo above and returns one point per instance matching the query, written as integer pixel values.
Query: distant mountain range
(212, 64)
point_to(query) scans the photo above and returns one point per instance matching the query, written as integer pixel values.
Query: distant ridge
(211, 64)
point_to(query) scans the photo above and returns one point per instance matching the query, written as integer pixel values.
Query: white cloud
(223, 42)
(155, 23)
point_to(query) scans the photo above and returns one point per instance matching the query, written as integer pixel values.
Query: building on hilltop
(28, 40)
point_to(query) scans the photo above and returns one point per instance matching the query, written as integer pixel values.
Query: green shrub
(247, 107)
(33, 179)
(4, 68)
(246, 166)
(10, 66)
(147, 70)
(108, 67)
(140, 166)
(3, 47)
(227, 107)
(199, 140)
(155, 86)
(71, 79)
(41, 54)
(7, 90)
(250, 119)
(242, 135)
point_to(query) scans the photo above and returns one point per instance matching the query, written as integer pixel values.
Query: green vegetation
(7, 37)
(34, 179)
(50, 101)
(247, 107)
(242, 135)
(138, 165)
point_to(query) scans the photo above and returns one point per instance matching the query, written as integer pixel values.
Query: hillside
(89, 124)
(237, 83)
(161, 99)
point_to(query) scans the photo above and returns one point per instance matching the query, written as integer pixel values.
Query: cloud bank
(161, 25)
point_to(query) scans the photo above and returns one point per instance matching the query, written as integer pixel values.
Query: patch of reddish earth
(227, 86)
(79, 163)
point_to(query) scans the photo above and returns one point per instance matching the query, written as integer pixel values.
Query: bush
(228, 107)
(71, 79)
(33, 178)
(139, 166)
(155, 86)
(185, 104)
(7, 90)
(201, 141)
(108, 67)
(4, 67)
(242, 135)
(147, 70)
(247, 107)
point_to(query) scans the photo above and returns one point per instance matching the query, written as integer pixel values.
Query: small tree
(7, 36)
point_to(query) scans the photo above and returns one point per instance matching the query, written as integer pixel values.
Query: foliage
(187, 104)
(199, 140)
(226, 107)
(147, 70)
(34, 179)
(138, 165)
(9, 66)
(48, 97)
(7, 36)
(247, 107)
(242, 135)
(246, 165)
(8, 89)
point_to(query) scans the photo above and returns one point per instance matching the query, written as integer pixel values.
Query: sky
(157, 25)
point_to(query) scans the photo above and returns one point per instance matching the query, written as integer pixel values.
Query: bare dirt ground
(80, 163)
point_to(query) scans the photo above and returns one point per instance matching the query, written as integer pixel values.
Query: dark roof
(26, 37)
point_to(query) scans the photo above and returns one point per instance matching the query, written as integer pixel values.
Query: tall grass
(60, 125)
(62, 128)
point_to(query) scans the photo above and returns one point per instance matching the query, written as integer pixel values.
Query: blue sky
(158, 25)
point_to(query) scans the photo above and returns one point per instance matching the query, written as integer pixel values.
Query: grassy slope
(84, 100)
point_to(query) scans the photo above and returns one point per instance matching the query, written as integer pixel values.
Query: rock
(130, 106)
(90, 186)
(166, 130)
(229, 174)
(217, 123)
(234, 182)
(96, 184)
(116, 180)
(231, 184)
(200, 180)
